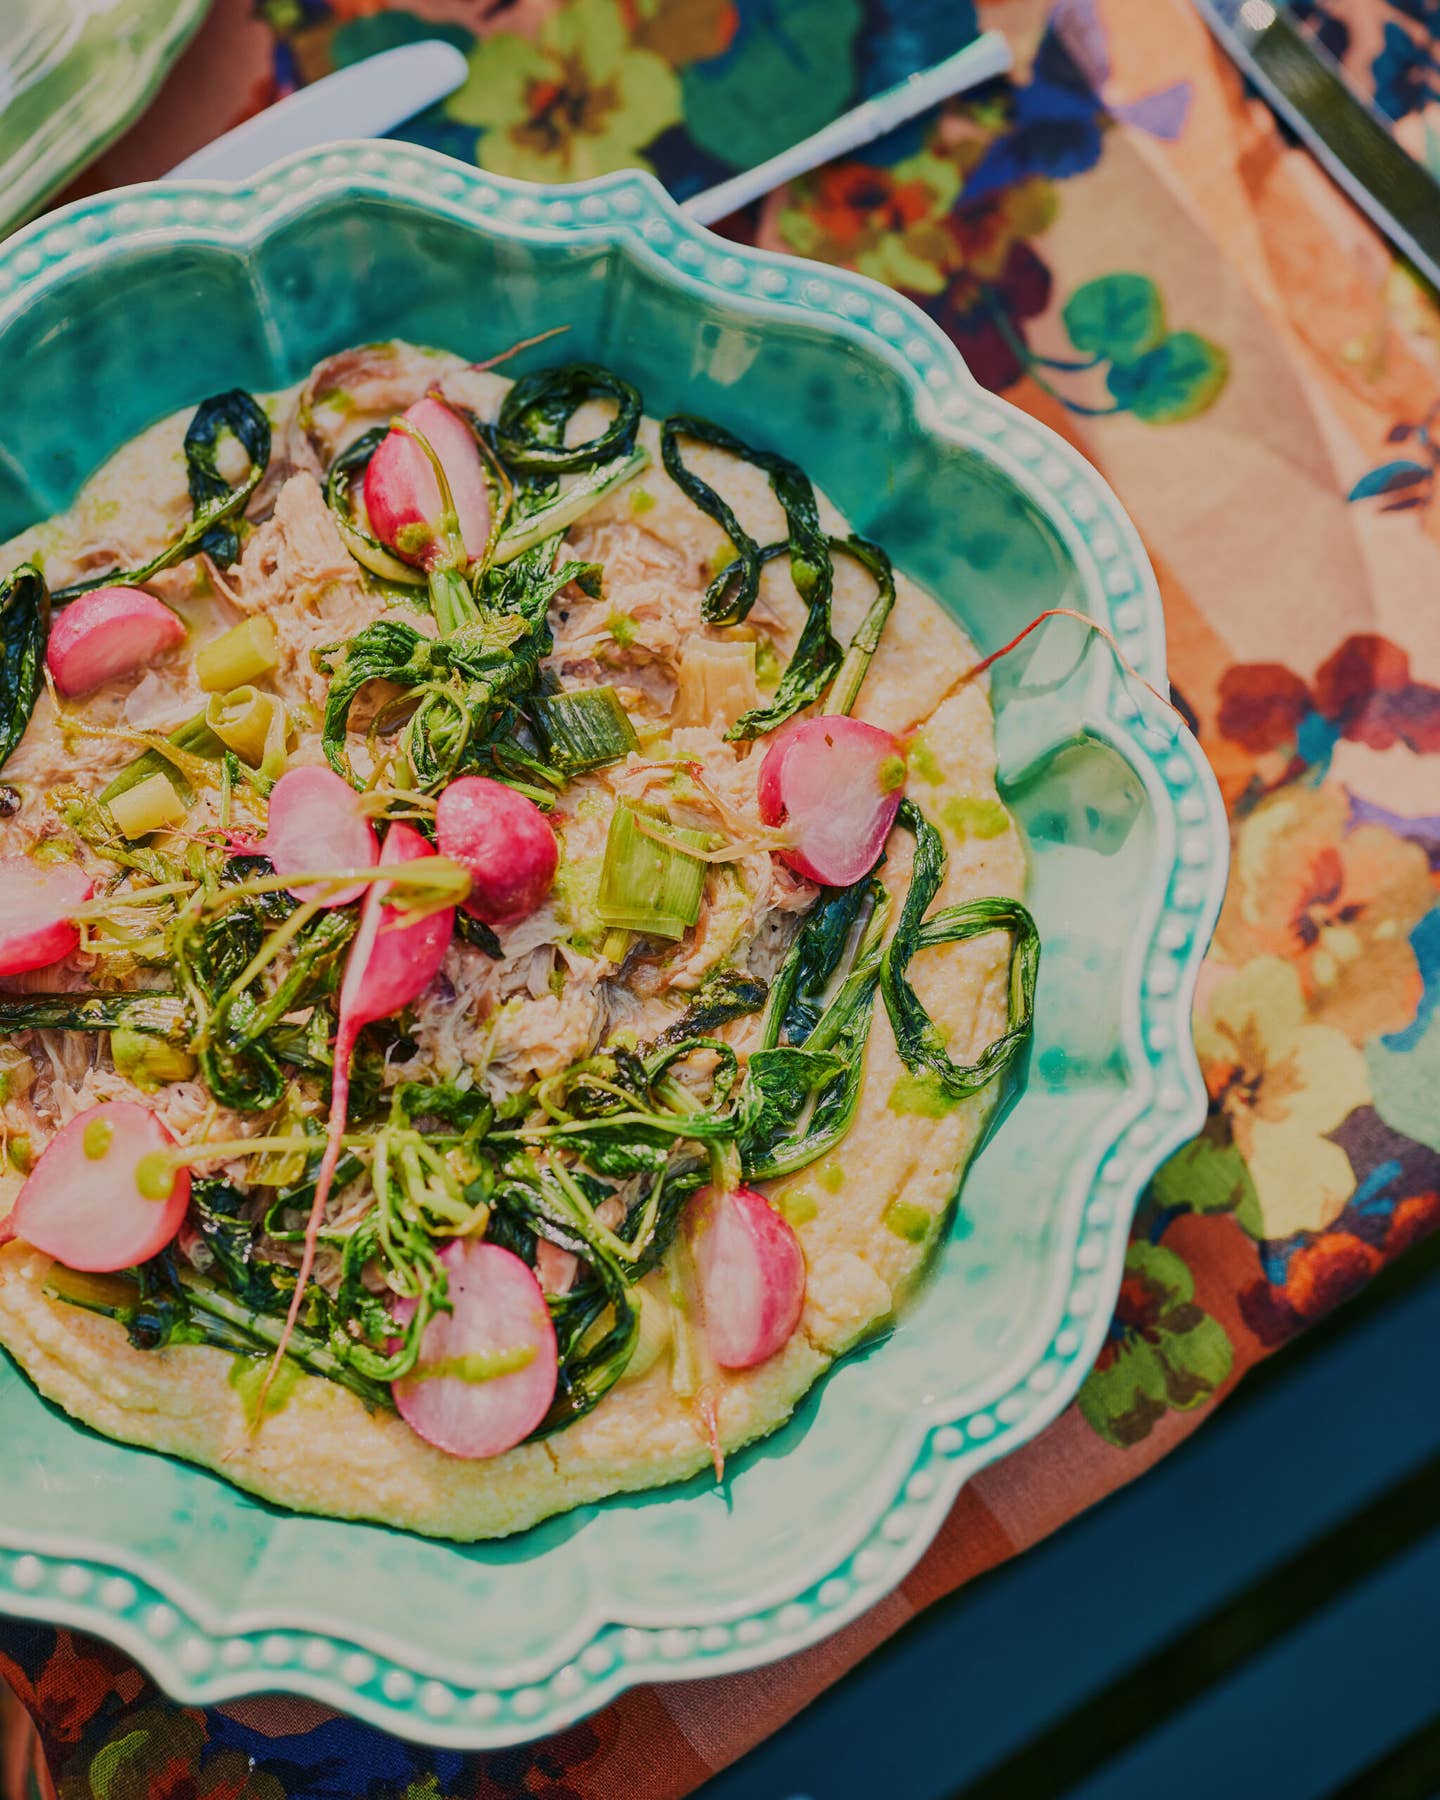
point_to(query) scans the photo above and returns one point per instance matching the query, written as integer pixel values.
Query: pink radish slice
(825, 779)
(752, 1276)
(500, 1315)
(107, 632)
(505, 842)
(36, 901)
(316, 822)
(83, 1202)
(402, 496)
(389, 965)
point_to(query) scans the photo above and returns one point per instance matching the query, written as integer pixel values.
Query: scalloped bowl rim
(143, 1608)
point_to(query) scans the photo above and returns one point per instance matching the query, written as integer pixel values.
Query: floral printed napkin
(1123, 243)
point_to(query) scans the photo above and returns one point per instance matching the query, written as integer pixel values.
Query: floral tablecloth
(1124, 244)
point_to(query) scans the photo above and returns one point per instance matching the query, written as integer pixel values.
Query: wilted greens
(734, 589)
(24, 628)
(216, 506)
(919, 1040)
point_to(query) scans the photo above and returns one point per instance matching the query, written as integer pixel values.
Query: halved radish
(316, 821)
(752, 1275)
(402, 496)
(837, 784)
(101, 1198)
(389, 965)
(486, 1374)
(36, 901)
(107, 632)
(402, 960)
(503, 840)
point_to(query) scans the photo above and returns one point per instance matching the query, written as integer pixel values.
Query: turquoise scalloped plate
(73, 75)
(120, 309)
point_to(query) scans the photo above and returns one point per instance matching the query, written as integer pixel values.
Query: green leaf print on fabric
(782, 78)
(1389, 478)
(109, 1765)
(1176, 380)
(1209, 1175)
(1163, 1354)
(1118, 324)
(1115, 318)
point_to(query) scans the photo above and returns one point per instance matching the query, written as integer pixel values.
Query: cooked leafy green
(917, 1037)
(729, 994)
(541, 509)
(219, 959)
(846, 687)
(797, 995)
(216, 505)
(733, 591)
(24, 629)
(457, 685)
(232, 415)
(193, 738)
(158, 1015)
(162, 1304)
(530, 432)
(801, 1095)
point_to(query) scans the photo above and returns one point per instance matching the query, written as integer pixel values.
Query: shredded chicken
(298, 572)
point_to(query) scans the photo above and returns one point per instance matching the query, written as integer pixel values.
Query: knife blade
(1346, 137)
(365, 100)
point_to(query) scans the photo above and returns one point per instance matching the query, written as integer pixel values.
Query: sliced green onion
(194, 737)
(561, 513)
(584, 729)
(649, 886)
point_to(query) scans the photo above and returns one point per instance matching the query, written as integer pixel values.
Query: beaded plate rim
(201, 1656)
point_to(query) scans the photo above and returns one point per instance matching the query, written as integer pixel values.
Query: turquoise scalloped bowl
(120, 309)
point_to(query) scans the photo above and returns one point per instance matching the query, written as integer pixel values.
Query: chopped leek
(716, 683)
(562, 512)
(238, 655)
(150, 805)
(584, 729)
(253, 725)
(649, 886)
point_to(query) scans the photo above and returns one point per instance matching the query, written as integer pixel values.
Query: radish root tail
(1069, 612)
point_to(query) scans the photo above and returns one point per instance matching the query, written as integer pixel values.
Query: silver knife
(1351, 141)
(365, 100)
